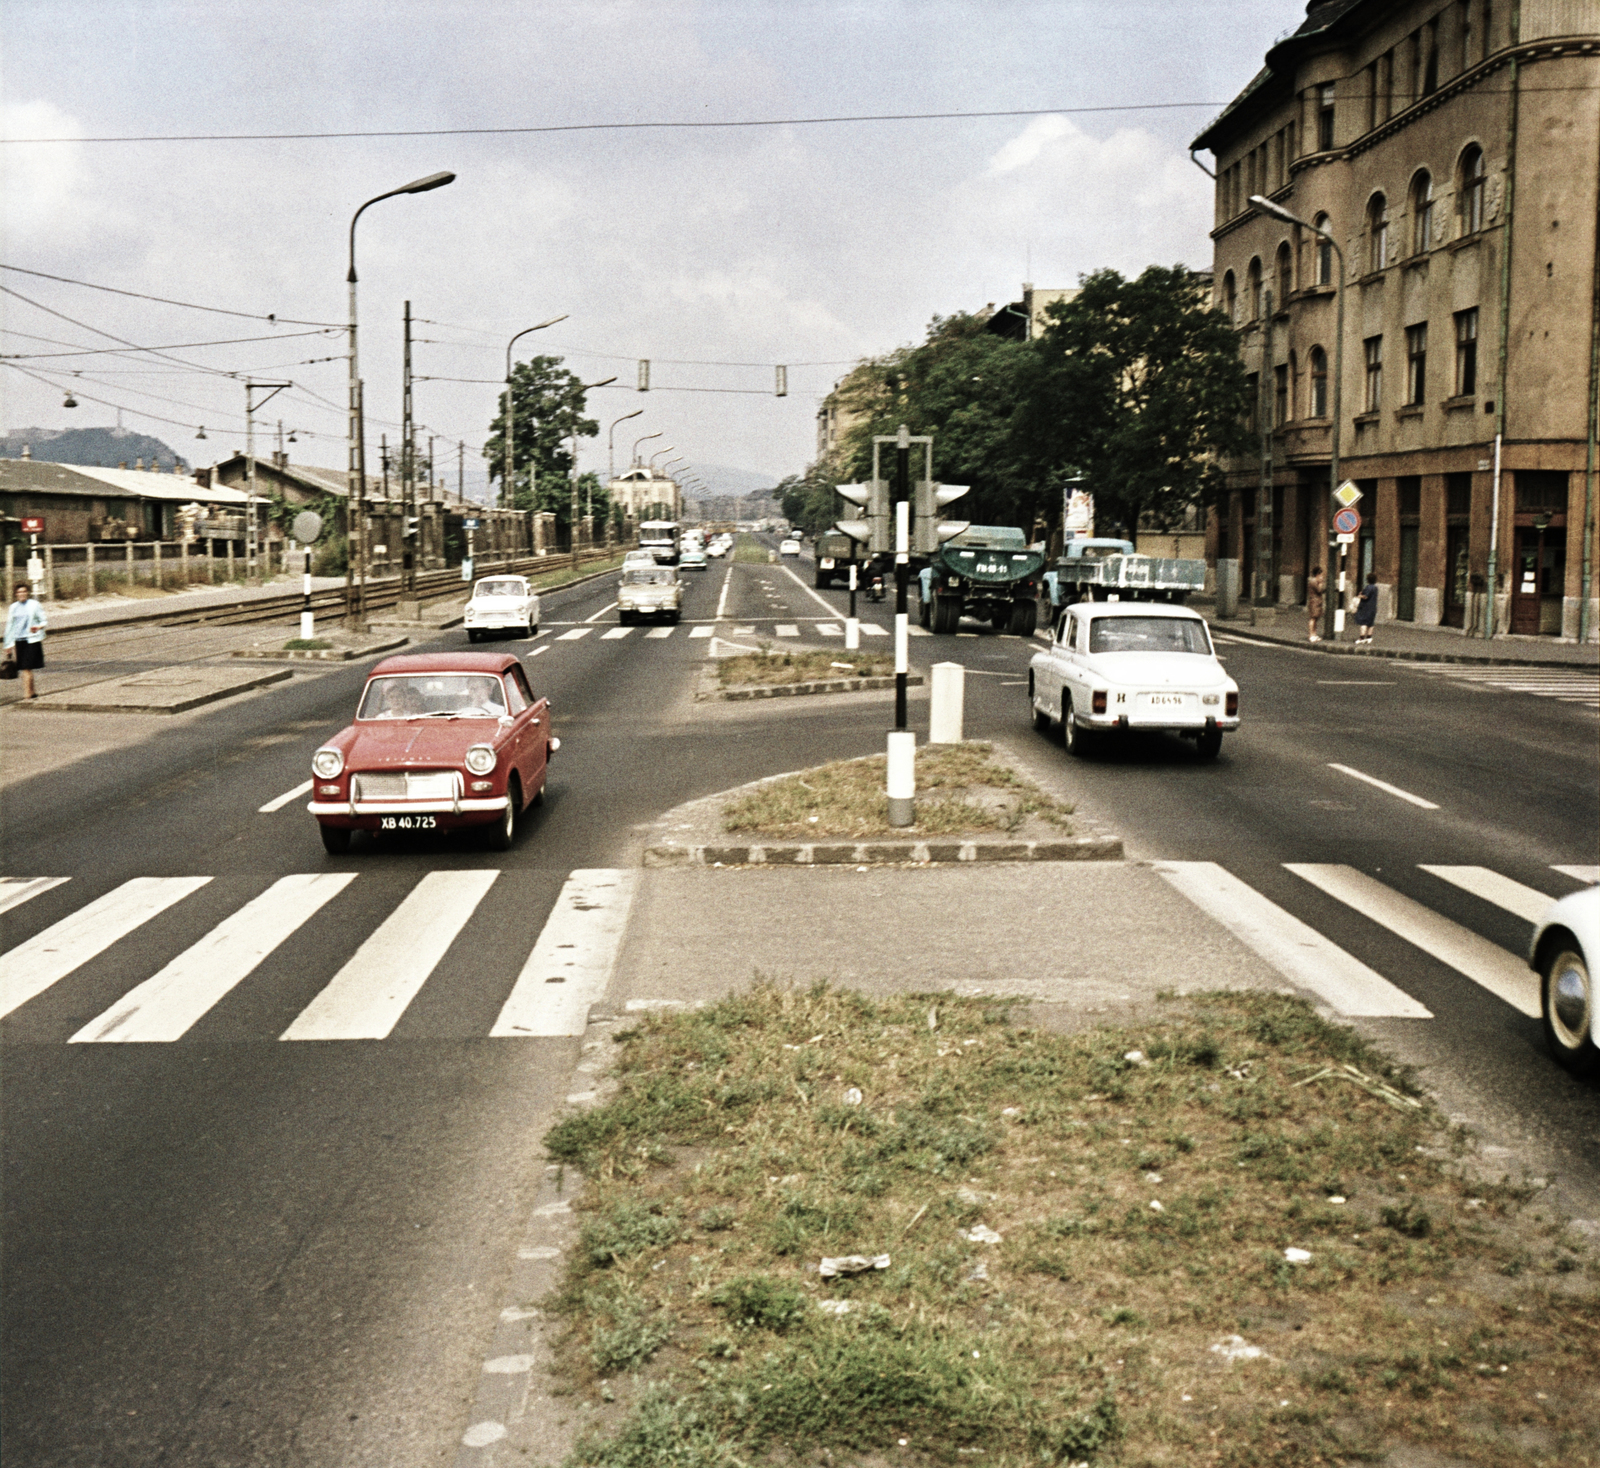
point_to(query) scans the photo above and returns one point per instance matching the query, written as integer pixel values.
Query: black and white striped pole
(902, 752)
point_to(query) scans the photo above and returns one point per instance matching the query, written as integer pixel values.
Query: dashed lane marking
(278, 802)
(610, 606)
(1384, 786)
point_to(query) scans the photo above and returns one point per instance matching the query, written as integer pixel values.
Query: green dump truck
(834, 551)
(988, 572)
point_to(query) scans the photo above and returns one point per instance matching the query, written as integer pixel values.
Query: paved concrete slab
(160, 691)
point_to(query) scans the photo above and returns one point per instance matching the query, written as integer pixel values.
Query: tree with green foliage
(1138, 386)
(809, 500)
(548, 402)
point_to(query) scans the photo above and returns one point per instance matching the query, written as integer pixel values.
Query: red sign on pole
(1347, 522)
(33, 525)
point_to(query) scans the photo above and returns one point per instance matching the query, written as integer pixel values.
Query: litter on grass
(981, 1233)
(1297, 1256)
(852, 1097)
(1236, 1348)
(851, 1264)
(834, 1307)
(1369, 1084)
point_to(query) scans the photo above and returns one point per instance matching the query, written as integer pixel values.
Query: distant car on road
(502, 604)
(1132, 666)
(717, 548)
(789, 547)
(440, 741)
(638, 558)
(1565, 943)
(692, 560)
(653, 591)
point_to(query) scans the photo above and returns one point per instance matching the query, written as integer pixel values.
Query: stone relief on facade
(1492, 197)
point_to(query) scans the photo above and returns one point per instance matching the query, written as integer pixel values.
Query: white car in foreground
(1562, 953)
(1126, 666)
(502, 604)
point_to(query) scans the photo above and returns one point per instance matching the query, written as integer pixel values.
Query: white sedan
(1123, 666)
(790, 547)
(502, 604)
(1564, 945)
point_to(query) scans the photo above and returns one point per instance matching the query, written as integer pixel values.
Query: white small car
(638, 558)
(790, 547)
(502, 604)
(1125, 666)
(649, 591)
(1562, 953)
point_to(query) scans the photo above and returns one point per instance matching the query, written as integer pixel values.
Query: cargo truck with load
(834, 552)
(989, 572)
(1104, 569)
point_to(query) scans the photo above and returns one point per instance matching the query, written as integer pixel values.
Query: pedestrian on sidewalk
(25, 624)
(1367, 610)
(1316, 587)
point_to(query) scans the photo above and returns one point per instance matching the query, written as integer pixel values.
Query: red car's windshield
(433, 695)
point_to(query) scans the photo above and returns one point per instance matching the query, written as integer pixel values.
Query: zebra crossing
(571, 962)
(1579, 686)
(824, 631)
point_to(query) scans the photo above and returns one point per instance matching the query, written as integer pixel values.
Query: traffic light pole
(902, 570)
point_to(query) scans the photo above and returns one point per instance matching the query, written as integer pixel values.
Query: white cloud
(1030, 143)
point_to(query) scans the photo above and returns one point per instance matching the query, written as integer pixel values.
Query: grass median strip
(773, 666)
(960, 788)
(1181, 1243)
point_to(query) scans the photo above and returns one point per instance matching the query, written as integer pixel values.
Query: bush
(755, 1302)
(627, 1229)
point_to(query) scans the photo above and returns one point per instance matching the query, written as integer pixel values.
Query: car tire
(1076, 740)
(1566, 1004)
(1209, 744)
(504, 831)
(528, 630)
(538, 795)
(1041, 717)
(473, 634)
(675, 618)
(335, 839)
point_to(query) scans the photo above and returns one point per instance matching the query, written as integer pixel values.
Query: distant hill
(721, 481)
(101, 447)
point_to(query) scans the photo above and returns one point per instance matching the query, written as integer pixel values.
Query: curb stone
(1396, 654)
(515, 1418)
(319, 655)
(878, 853)
(710, 689)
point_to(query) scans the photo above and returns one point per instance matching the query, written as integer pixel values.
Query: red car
(440, 741)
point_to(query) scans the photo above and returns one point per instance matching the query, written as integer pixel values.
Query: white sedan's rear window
(501, 588)
(1148, 634)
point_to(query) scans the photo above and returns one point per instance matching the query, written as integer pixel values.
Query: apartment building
(1451, 148)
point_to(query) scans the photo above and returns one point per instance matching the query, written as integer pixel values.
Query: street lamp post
(573, 476)
(356, 494)
(1277, 211)
(611, 442)
(634, 459)
(506, 477)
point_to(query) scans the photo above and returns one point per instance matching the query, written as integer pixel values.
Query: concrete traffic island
(973, 805)
(336, 646)
(736, 672)
(159, 691)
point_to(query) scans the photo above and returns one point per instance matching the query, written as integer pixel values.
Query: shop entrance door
(1406, 592)
(1456, 576)
(1539, 581)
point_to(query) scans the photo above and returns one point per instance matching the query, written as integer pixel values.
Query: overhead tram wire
(168, 301)
(165, 347)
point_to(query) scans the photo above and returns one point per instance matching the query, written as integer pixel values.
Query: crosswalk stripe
(702, 631)
(170, 1002)
(1525, 902)
(1591, 875)
(14, 891)
(786, 629)
(919, 631)
(615, 633)
(368, 995)
(872, 629)
(1485, 963)
(32, 967)
(575, 634)
(830, 629)
(1300, 953)
(571, 963)
(662, 632)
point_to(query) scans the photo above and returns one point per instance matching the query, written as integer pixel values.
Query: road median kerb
(710, 688)
(881, 853)
(319, 654)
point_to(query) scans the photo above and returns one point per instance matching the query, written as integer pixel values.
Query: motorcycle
(875, 586)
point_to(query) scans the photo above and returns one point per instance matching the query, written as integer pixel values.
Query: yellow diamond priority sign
(1347, 493)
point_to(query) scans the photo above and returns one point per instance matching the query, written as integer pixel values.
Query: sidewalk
(1407, 641)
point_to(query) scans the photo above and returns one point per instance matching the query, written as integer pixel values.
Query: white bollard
(947, 703)
(902, 777)
(852, 634)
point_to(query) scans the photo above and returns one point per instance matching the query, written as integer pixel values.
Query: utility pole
(361, 532)
(252, 538)
(1261, 572)
(408, 472)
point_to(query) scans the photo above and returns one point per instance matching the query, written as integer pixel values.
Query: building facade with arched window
(1462, 193)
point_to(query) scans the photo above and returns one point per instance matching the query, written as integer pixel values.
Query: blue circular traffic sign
(1347, 522)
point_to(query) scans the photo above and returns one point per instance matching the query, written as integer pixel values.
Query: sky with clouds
(716, 252)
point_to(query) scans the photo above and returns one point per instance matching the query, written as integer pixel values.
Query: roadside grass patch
(749, 550)
(775, 666)
(960, 788)
(306, 644)
(1284, 1304)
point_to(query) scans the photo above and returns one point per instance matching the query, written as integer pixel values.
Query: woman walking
(1367, 610)
(25, 624)
(1316, 586)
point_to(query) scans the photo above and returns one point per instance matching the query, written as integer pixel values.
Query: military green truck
(834, 551)
(988, 572)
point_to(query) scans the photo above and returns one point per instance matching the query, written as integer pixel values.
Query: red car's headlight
(480, 759)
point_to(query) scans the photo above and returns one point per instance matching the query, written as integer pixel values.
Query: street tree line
(1134, 388)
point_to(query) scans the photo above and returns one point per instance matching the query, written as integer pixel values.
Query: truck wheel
(1041, 717)
(946, 613)
(1024, 618)
(1209, 743)
(924, 612)
(824, 580)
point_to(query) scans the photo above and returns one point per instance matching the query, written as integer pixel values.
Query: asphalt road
(228, 1250)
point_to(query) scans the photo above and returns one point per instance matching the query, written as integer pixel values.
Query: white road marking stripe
(826, 606)
(1485, 963)
(575, 634)
(1525, 902)
(536, 651)
(872, 629)
(662, 632)
(365, 999)
(615, 633)
(786, 629)
(284, 799)
(14, 891)
(744, 631)
(1349, 683)
(1384, 786)
(571, 964)
(919, 632)
(32, 967)
(722, 601)
(170, 1002)
(1231, 641)
(1299, 952)
(1591, 875)
(830, 629)
(610, 606)
(702, 631)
